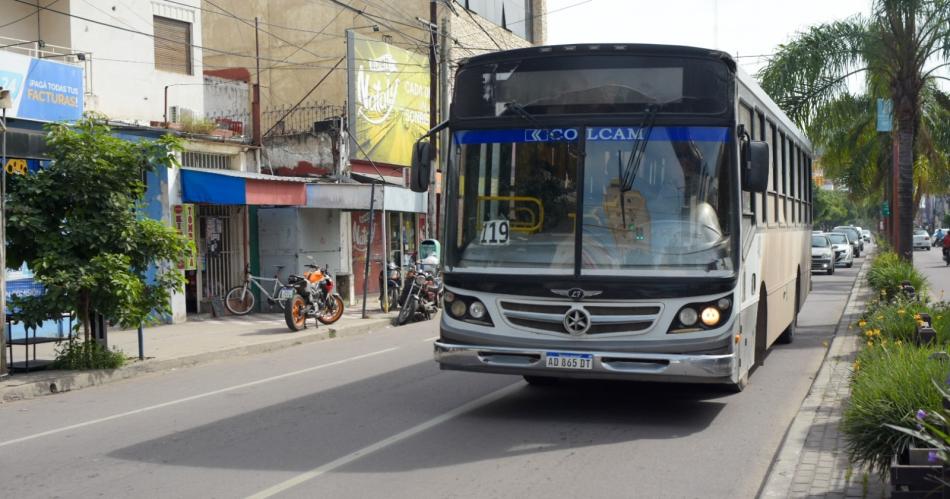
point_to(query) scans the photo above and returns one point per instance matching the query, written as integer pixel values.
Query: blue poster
(42, 90)
(885, 115)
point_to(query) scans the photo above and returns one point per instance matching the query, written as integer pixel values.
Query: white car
(822, 254)
(921, 239)
(844, 253)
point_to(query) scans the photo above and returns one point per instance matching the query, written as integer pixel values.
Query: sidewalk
(180, 345)
(813, 461)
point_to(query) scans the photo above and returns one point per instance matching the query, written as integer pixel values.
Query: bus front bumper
(691, 368)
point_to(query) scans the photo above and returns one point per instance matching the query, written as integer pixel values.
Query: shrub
(887, 273)
(897, 319)
(889, 383)
(87, 355)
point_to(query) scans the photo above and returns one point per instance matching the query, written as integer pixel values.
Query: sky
(744, 28)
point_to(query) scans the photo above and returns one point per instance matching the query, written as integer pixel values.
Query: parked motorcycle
(314, 296)
(393, 286)
(422, 297)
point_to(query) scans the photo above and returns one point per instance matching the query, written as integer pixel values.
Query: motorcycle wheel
(332, 311)
(407, 311)
(296, 313)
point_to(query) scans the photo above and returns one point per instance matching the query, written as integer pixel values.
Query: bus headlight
(688, 316)
(448, 297)
(710, 316)
(458, 309)
(476, 310)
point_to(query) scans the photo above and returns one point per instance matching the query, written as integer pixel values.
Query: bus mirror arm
(755, 166)
(422, 155)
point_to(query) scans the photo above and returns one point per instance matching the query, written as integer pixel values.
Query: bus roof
(601, 48)
(753, 85)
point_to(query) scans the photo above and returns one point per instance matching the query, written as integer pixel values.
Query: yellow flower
(862, 323)
(901, 312)
(870, 343)
(898, 343)
(880, 317)
(917, 316)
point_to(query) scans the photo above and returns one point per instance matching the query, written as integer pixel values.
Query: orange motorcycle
(314, 296)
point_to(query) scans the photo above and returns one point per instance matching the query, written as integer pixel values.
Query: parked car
(921, 239)
(822, 254)
(866, 234)
(857, 243)
(844, 250)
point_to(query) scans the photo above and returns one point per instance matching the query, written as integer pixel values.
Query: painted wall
(124, 83)
(301, 155)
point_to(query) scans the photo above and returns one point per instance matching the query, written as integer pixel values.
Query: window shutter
(172, 45)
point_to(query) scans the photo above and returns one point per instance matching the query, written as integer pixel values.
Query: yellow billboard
(389, 100)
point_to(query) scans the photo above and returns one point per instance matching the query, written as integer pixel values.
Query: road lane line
(430, 339)
(365, 451)
(193, 397)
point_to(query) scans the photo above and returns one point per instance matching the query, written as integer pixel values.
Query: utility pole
(444, 109)
(256, 105)
(433, 111)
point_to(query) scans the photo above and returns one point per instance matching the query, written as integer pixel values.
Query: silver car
(921, 239)
(822, 254)
(844, 253)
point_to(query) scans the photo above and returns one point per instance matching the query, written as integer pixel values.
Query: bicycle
(240, 299)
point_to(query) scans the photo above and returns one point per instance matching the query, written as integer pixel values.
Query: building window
(172, 45)
(209, 160)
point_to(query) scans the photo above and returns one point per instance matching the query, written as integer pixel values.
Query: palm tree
(899, 49)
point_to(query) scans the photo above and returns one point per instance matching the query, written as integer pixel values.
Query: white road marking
(193, 397)
(415, 430)
(430, 339)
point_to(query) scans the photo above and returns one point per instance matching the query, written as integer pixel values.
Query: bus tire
(788, 336)
(761, 329)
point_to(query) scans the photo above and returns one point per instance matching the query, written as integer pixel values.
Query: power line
(137, 32)
(31, 14)
(544, 14)
(480, 26)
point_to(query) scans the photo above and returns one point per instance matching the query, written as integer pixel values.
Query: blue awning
(212, 188)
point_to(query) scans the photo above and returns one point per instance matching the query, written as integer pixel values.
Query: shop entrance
(220, 243)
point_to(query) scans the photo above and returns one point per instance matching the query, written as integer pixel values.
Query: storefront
(218, 210)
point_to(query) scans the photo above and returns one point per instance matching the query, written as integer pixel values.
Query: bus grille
(605, 318)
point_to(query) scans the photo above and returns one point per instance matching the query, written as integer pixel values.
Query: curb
(56, 382)
(778, 480)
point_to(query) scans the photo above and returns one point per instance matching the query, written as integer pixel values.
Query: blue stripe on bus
(597, 134)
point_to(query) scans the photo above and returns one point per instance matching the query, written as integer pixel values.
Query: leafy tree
(899, 48)
(831, 208)
(77, 224)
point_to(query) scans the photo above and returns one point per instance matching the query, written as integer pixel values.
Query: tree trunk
(905, 185)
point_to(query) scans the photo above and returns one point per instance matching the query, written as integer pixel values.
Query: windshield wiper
(629, 174)
(521, 111)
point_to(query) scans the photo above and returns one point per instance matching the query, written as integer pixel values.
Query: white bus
(621, 212)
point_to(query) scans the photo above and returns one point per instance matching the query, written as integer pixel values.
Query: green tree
(831, 208)
(78, 225)
(899, 48)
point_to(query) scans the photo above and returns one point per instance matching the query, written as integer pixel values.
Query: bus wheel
(761, 329)
(788, 335)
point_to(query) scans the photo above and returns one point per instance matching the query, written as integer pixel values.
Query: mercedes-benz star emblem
(576, 321)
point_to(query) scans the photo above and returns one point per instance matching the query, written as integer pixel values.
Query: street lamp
(6, 101)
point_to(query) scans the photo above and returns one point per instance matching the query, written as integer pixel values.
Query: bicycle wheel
(333, 310)
(239, 300)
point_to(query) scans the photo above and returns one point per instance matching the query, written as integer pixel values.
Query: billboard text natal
(389, 100)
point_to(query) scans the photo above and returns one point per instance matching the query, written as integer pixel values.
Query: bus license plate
(561, 360)
(285, 293)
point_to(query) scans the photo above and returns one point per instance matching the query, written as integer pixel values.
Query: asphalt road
(935, 269)
(372, 416)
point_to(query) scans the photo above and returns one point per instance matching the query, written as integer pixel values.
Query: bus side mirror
(422, 155)
(755, 166)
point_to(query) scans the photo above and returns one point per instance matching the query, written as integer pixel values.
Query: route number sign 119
(494, 233)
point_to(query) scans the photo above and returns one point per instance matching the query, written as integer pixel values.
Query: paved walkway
(178, 345)
(813, 461)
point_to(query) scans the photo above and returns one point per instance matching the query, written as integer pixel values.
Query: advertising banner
(185, 222)
(388, 99)
(42, 90)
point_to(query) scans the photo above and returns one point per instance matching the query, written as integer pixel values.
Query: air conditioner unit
(177, 114)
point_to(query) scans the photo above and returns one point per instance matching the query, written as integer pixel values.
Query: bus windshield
(522, 202)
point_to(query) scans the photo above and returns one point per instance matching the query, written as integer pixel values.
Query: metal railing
(290, 120)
